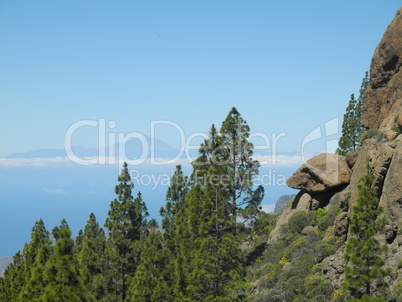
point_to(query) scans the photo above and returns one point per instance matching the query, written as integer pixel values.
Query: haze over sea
(53, 188)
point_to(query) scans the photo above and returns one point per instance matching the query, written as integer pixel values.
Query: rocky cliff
(330, 179)
(383, 100)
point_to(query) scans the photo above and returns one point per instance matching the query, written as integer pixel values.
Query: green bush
(325, 248)
(396, 129)
(396, 293)
(297, 222)
(369, 134)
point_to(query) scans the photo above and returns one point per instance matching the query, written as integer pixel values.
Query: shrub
(369, 134)
(396, 129)
(396, 293)
(324, 248)
(297, 222)
(317, 289)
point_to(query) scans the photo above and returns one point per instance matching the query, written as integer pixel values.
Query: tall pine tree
(352, 129)
(174, 200)
(364, 253)
(62, 279)
(37, 253)
(237, 152)
(126, 221)
(14, 279)
(91, 258)
(208, 264)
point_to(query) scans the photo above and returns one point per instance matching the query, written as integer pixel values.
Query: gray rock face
(351, 158)
(379, 156)
(383, 100)
(341, 224)
(390, 134)
(321, 173)
(391, 197)
(333, 268)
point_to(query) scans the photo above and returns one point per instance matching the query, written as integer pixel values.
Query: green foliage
(396, 293)
(325, 247)
(151, 281)
(236, 152)
(294, 246)
(126, 221)
(351, 126)
(319, 214)
(316, 289)
(371, 133)
(23, 279)
(63, 283)
(176, 192)
(296, 223)
(300, 277)
(14, 278)
(211, 259)
(214, 245)
(37, 253)
(207, 233)
(363, 252)
(325, 217)
(91, 258)
(396, 129)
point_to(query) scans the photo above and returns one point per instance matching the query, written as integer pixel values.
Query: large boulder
(383, 99)
(321, 173)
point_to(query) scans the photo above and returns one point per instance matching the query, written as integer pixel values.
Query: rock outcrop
(391, 197)
(383, 99)
(321, 173)
(332, 180)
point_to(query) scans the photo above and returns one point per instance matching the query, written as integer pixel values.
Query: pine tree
(174, 200)
(14, 279)
(2, 289)
(363, 252)
(152, 279)
(172, 220)
(126, 221)
(214, 258)
(37, 253)
(91, 258)
(208, 263)
(63, 282)
(237, 154)
(352, 129)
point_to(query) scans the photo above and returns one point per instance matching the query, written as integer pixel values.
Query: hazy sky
(288, 66)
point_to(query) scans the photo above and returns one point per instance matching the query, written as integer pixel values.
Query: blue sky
(288, 66)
